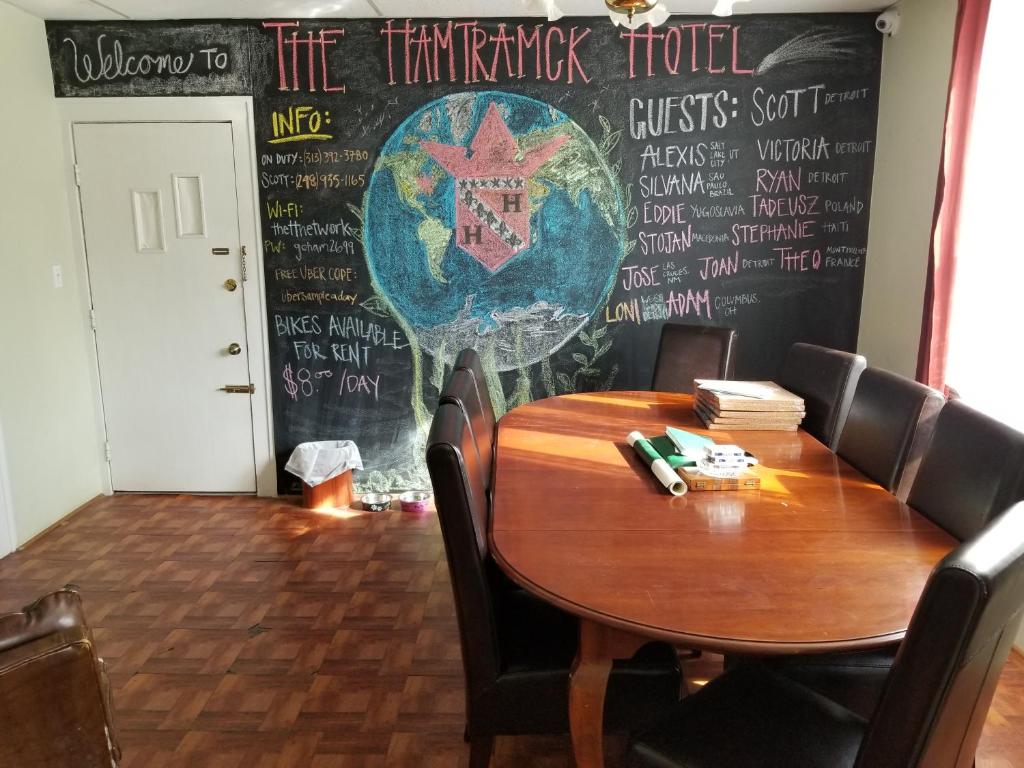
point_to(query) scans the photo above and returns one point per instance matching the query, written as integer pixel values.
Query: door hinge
(92, 318)
(106, 449)
(78, 175)
(244, 254)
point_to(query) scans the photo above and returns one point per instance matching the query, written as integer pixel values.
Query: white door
(160, 214)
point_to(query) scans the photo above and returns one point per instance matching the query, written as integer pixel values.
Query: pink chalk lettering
(316, 48)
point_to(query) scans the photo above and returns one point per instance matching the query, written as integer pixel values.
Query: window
(986, 335)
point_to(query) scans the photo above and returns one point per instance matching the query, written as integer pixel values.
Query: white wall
(912, 105)
(53, 444)
(6, 519)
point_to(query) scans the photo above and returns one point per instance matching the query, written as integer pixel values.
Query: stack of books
(747, 405)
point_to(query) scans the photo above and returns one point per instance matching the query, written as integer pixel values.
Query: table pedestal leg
(588, 682)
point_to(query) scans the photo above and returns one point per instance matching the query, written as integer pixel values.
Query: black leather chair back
(469, 360)
(461, 390)
(945, 675)
(889, 427)
(688, 352)
(826, 379)
(462, 508)
(972, 471)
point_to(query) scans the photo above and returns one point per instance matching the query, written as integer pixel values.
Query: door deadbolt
(230, 284)
(234, 348)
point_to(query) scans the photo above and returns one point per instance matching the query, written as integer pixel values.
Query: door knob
(234, 349)
(230, 284)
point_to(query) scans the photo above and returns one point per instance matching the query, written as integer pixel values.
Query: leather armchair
(934, 704)
(54, 696)
(688, 352)
(889, 426)
(516, 649)
(826, 379)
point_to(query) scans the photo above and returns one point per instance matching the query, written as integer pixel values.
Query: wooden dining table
(818, 559)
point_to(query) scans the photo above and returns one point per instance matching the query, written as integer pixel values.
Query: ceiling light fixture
(633, 13)
(553, 11)
(724, 7)
(548, 7)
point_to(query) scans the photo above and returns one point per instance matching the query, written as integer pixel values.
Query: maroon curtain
(971, 20)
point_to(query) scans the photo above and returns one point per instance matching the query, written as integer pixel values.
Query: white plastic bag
(318, 462)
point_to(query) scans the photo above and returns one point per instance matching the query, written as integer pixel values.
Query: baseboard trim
(58, 523)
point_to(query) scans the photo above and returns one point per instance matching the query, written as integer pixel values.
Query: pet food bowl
(376, 502)
(414, 501)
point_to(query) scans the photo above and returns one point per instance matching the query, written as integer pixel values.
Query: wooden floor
(248, 632)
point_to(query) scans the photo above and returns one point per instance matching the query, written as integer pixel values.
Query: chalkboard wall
(549, 193)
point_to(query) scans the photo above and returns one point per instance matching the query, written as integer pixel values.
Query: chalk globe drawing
(493, 221)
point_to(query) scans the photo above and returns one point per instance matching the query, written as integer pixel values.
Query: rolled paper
(662, 471)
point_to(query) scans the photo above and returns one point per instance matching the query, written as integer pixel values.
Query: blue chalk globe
(493, 221)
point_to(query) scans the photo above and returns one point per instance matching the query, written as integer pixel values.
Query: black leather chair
(826, 379)
(972, 470)
(889, 426)
(469, 360)
(688, 352)
(461, 390)
(516, 649)
(935, 701)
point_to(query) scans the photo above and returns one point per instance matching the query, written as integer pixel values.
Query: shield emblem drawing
(492, 204)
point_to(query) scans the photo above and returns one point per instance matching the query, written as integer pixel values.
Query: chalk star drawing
(492, 207)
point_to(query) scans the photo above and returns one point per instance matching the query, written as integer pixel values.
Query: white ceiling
(270, 9)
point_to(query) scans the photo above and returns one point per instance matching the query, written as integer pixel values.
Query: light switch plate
(58, 276)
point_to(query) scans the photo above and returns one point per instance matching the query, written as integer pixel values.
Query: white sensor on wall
(888, 21)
